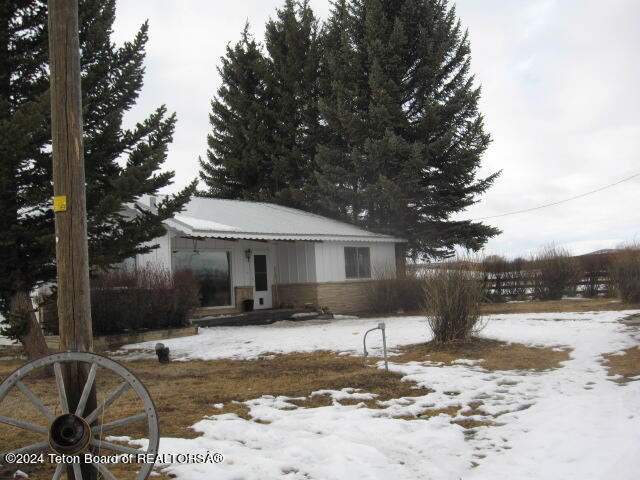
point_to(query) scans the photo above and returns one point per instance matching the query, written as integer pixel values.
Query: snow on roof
(238, 219)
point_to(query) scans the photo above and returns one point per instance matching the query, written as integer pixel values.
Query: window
(357, 262)
(213, 271)
(260, 269)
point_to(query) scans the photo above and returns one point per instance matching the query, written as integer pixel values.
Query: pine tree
(404, 135)
(112, 80)
(121, 164)
(265, 118)
(293, 45)
(26, 236)
(240, 158)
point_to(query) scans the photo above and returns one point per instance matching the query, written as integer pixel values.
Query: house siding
(295, 263)
(159, 257)
(301, 272)
(330, 260)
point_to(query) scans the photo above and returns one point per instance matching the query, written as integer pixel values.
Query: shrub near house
(144, 299)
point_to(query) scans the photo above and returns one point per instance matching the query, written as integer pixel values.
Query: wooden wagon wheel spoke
(107, 427)
(23, 425)
(104, 471)
(77, 471)
(35, 400)
(114, 447)
(87, 389)
(35, 448)
(112, 398)
(58, 473)
(71, 433)
(64, 404)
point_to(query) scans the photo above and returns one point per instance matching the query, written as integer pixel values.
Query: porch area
(258, 317)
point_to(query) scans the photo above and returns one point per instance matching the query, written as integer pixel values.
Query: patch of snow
(467, 361)
(303, 314)
(345, 394)
(249, 342)
(200, 224)
(7, 341)
(571, 422)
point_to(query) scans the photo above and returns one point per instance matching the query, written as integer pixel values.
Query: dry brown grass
(536, 306)
(627, 365)
(632, 320)
(185, 392)
(496, 355)
(552, 306)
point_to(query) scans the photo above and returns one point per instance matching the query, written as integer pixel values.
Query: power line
(560, 201)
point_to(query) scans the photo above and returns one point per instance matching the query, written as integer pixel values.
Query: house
(275, 255)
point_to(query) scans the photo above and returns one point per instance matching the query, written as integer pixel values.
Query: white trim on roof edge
(315, 237)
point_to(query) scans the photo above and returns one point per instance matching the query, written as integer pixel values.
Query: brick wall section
(338, 297)
(242, 293)
(344, 297)
(295, 295)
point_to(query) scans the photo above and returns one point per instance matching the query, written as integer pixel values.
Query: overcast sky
(561, 95)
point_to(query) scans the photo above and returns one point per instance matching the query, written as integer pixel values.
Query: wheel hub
(69, 434)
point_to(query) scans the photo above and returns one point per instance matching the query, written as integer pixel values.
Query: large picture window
(357, 262)
(213, 271)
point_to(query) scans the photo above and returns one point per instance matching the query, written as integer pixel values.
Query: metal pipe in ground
(381, 326)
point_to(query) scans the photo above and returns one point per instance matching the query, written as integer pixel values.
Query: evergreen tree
(241, 147)
(121, 164)
(404, 136)
(26, 236)
(265, 117)
(293, 46)
(111, 82)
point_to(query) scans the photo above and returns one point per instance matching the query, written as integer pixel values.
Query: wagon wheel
(72, 432)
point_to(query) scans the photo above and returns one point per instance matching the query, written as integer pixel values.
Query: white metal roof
(237, 219)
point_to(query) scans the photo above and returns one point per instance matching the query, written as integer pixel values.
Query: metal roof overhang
(310, 237)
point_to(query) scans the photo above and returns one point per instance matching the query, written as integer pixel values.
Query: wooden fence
(524, 282)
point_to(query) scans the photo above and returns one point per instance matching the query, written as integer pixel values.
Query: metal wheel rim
(98, 360)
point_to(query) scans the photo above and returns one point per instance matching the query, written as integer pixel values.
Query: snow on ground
(5, 340)
(572, 422)
(345, 335)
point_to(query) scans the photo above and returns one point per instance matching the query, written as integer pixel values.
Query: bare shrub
(555, 274)
(390, 293)
(142, 299)
(594, 280)
(146, 298)
(495, 271)
(452, 301)
(624, 271)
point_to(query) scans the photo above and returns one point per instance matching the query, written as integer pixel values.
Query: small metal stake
(381, 326)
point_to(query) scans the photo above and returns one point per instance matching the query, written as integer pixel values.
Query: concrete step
(257, 317)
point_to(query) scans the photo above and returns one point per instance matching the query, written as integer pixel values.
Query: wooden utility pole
(72, 256)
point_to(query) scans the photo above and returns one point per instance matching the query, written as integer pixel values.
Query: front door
(262, 281)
